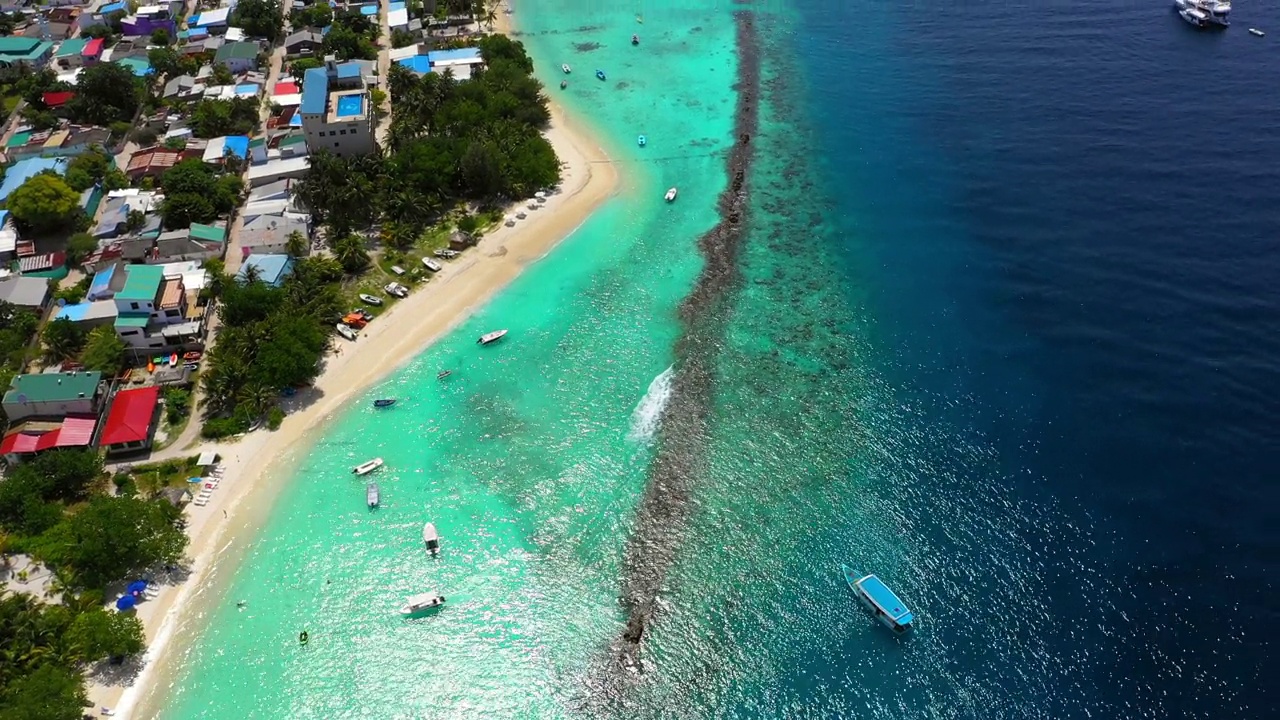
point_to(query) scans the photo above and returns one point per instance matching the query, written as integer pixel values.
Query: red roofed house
(131, 421)
(57, 101)
(92, 51)
(34, 436)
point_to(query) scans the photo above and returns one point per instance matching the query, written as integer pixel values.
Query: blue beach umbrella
(126, 602)
(137, 586)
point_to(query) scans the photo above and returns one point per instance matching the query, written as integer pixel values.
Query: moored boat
(371, 495)
(365, 468)
(384, 402)
(564, 84)
(566, 68)
(421, 604)
(635, 39)
(600, 74)
(670, 196)
(642, 141)
(873, 593)
(443, 374)
(431, 538)
(492, 337)
(1256, 31)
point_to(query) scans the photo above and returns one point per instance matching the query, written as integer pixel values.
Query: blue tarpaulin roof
(113, 7)
(237, 145)
(101, 281)
(420, 64)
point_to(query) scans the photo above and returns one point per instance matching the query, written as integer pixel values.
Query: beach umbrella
(137, 586)
(126, 602)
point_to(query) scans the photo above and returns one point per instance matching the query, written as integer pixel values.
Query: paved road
(384, 68)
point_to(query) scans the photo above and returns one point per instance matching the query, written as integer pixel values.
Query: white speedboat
(1203, 13)
(346, 332)
(419, 605)
(432, 265)
(1256, 31)
(431, 538)
(446, 254)
(670, 196)
(367, 467)
(371, 495)
(566, 69)
(492, 337)
(396, 290)
(371, 299)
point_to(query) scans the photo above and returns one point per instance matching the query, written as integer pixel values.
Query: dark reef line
(664, 509)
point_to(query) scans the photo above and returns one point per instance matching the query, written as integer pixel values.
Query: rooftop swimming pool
(350, 105)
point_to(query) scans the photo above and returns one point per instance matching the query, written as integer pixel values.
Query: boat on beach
(371, 299)
(432, 265)
(365, 468)
(384, 402)
(670, 196)
(419, 605)
(873, 593)
(371, 495)
(492, 337)
(431, 538)
(345, 331)
(396, 289)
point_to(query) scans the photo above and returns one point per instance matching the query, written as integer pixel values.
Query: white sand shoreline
(246, 496)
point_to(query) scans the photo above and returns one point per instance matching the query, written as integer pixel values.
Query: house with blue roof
(24, 170)
(337, 114)
(270, 269)
(419, 64)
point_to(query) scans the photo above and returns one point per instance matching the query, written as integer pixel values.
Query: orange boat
(151, 367)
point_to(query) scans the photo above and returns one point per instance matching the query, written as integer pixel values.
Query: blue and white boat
(888, 607)
(642, 141)
(600, 74)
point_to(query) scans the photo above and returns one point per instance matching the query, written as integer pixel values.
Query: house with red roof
(131, 421)
(92, 51)
(28, 439)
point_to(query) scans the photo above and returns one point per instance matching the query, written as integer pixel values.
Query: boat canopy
(883, 598)
(1197, 14)
(423, 599)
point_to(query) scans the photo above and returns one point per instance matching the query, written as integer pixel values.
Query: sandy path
(255, 466)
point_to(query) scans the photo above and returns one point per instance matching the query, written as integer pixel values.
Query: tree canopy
(103, 351)
(106, 93)
(63, 339)
(215, 118)
(45, 202)
(194, 192)
(259, 18)
(17, 326)
(113, 538)
(92, 167)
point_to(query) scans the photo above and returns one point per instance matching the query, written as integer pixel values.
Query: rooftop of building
(52, 387)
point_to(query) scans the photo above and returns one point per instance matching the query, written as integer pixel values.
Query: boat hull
(854, 580)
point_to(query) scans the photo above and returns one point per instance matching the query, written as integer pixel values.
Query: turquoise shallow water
(529, 458)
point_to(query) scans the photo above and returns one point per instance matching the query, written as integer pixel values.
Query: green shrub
(275, 416)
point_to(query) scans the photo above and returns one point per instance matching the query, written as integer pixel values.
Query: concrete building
(238, 56)
(337, 114)
(19, 55)
(52, 395)
(27, 292)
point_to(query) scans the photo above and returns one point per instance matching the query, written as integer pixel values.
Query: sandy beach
(258, 464)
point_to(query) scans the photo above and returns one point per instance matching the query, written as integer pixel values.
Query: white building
(337, 114)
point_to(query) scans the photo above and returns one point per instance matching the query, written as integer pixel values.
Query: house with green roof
(152, 311)
(238, 56)
(52, 395)
(70, 54)
(21, 54)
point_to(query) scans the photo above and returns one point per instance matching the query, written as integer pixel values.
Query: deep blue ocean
(1061, 222)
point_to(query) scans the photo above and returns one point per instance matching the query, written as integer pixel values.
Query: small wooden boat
(566, 69)
(367, 467)
(873, 593)
(670, 196)
(384, 402)
(371, 495)
(419, 605)
(491, 337)
(600, 74)
(635, 39)
(443, 374)
(642, 141)
(431, 538)
(1256, 31)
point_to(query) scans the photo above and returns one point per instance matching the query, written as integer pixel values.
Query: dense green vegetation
(352, 37)
(215, 118)
(17, 329)
(105, 93)
(94, 166)
(45, 204)
(450, 141)
(53, 509)
(271, 339)
(195, 192)
(259, 18)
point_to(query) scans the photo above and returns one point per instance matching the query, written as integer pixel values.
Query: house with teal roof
(21, 54)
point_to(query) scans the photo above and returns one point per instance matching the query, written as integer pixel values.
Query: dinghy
(600, 74)
(384, 402)
(642, 141)
(670, 196)
(367, 467)
(566, 69)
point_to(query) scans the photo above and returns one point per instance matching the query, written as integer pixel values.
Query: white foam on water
(647, 416)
